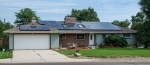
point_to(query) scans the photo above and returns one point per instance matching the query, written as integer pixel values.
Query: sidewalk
(76, 60)
(49, 56)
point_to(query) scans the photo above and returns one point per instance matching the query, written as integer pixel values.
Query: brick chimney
(70, 21)
(33, 20)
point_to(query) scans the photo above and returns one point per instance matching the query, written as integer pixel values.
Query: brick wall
(72, 38)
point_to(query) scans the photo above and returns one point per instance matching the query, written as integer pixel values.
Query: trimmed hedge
(115, 40)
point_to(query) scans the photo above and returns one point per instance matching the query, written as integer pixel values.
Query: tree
(3, 27)
(136, 25)
(84, 15)
(140, 17)
(116, 22)
(143, 34)
(145, 7)
(137, 20)
(124, 23)
(24, 16)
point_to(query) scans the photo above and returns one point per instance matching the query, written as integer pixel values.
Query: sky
(107, 10)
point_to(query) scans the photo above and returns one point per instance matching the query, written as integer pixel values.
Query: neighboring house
(51, 34)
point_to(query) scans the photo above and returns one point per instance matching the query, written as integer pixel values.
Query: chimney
(33, 20)
(70, 21)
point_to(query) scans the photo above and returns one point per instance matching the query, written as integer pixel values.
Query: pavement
(50, 56)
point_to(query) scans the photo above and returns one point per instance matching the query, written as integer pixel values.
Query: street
(82, 63)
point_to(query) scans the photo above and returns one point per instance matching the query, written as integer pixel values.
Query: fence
(4, 42)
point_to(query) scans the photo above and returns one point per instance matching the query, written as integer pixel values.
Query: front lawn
(6, 54)
(111, 52)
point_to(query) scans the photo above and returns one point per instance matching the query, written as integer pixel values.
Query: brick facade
(72, 38)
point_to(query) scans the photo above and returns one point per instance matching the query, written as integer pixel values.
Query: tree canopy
(143, 33)
(124, 23)
(24, 16)
(3, 27)
(85, 15)
(137, 20)
(139, 17)
(145, 7)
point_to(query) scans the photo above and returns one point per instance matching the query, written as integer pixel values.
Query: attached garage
(31, 41)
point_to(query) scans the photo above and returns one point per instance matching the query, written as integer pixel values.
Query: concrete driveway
(20, 56)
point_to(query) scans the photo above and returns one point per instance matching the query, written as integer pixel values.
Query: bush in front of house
(115, 40)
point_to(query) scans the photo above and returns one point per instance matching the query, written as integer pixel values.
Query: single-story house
(43, 34)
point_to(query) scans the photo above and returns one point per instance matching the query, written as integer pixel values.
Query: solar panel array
(59, 25)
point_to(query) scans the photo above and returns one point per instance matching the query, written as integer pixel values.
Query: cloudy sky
(107, 10)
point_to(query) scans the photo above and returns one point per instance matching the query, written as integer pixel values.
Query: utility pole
(4, 20)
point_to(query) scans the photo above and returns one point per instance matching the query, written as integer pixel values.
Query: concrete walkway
(46, 56)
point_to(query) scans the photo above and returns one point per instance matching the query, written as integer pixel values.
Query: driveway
(20, 56)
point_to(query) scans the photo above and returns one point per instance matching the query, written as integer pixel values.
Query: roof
(60, 25)
(57, 27)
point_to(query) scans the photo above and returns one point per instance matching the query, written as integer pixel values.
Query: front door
(91, 39)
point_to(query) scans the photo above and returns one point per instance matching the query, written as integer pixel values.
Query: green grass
(6, 54)
(111, 52)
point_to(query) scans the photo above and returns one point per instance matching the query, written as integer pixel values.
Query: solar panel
(77, 26)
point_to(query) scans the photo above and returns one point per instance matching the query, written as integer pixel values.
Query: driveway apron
(22, 56)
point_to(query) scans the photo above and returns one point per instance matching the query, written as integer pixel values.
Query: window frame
(103, 37)
(79, 39)
(62, 38)
(126, 34)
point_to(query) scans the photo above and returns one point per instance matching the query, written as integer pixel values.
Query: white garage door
(31, 41)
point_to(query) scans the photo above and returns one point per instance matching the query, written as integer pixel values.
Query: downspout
(50, 41)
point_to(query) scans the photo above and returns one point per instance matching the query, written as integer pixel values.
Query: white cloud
(53, 10)
(35, 4)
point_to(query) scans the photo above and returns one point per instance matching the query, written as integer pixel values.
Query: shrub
(115, 40)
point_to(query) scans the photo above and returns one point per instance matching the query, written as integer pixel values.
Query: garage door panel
(31, 41)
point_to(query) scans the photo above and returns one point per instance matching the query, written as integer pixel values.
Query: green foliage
(136, 25)
(3, 27)
(6, 54)
(145, 7)
(24, 16)
(110, 52)
(115, 40)
(84, 15)
(143, 34)
(124, 23)
(140, 17)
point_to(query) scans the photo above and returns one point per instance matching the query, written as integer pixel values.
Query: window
(103, 35)
(112, 34)
(81, 26)
(62, 36)
(80, 36)
(126, 35)
(64, 25)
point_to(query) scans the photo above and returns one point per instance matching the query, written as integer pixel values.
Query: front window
(62, 36)
(126, 35)
(103, 35)
(80, 36)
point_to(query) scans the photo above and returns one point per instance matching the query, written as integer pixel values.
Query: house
(44, 34)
